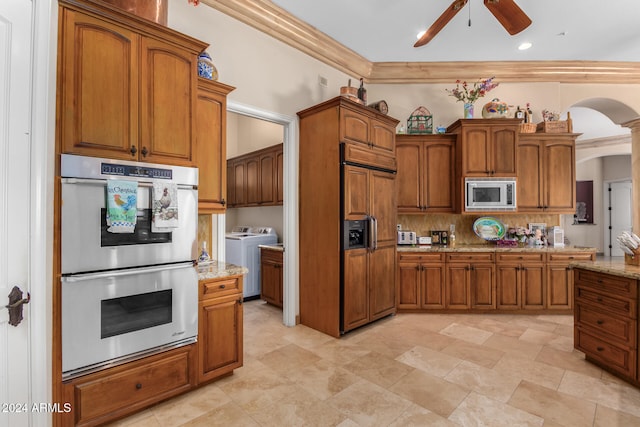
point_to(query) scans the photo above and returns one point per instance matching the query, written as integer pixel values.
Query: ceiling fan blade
(442, 20)
(512, 18)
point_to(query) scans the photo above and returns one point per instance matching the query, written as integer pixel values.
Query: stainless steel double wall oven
(124, 296)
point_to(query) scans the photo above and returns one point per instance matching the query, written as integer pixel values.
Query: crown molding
(265, 16)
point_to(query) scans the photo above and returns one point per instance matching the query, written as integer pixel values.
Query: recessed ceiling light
(420, 34)
(524, 46)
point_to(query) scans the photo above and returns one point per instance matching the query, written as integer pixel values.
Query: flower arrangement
(462, 91)
(519, 233)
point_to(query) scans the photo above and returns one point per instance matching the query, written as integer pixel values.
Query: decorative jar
(206, 68)
(495, 109)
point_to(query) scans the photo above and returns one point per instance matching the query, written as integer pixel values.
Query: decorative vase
(495, 109)
(468, 110)
(206, 68)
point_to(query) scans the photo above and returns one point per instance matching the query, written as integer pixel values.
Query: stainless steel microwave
(490, 194)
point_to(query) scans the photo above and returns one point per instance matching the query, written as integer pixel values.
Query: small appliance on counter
(555, 236)
(424, 240)
(407, 238)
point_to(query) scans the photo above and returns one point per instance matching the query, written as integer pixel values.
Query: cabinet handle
(133, 150)
(599, 299)
(240, 301)
(144, 152)
(138, 386)
(600, 348)
(223, 286)
(223, 202)
(599, 321)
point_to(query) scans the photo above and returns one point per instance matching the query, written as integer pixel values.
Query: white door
(621, 213)
(15, 141)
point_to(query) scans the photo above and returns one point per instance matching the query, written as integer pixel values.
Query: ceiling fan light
(524, 46)
(420, 34)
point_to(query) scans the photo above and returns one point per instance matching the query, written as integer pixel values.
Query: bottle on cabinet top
(362, 92)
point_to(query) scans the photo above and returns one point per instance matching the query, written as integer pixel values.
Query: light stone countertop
(274, 247)
(611, 265)
(492, 248)
(216, 269)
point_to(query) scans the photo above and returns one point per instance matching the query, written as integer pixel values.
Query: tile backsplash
(424, 224)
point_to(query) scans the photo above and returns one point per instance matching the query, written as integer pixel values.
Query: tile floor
(407, 370)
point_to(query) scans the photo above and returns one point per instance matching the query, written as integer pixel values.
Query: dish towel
(122, 198)
(165, 207)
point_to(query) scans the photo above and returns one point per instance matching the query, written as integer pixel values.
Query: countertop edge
(217, 269)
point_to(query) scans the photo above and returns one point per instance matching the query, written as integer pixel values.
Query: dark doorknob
(15, 305)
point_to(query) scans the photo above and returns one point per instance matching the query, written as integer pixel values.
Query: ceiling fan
(512, 18)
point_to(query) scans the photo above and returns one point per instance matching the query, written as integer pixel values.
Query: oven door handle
(127, 272)
(104, 182)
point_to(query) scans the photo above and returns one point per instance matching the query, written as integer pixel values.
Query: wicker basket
(527, 128)
(555, 126)
(632, 260)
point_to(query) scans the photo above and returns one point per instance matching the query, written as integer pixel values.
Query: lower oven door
(117, 316)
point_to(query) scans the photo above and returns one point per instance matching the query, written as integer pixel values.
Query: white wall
(247, 134)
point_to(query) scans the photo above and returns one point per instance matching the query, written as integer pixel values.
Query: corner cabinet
(126, 87)
(220, 334)
(487, 146)
(211, 145)
(547, 173)
(426, 173)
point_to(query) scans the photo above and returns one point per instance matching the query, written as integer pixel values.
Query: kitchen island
(606, 315)
(487, 278)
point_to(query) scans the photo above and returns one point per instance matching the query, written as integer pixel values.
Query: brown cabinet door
(408, 285)
(269, 281)
(532, 279)
(355, 298)
(220, 336)
(211, 149)
(356, 193)
(432, 290)
(530, 176)
(279, 180)
(457, 290)
(409, 181)
(267, 175)
(354, 126)
(439, 176)
(503, 148)
(560, 176)
(99, 85)
(239, 183)
(383, 137)
(559, 287)
(382, 199)
(382, 279)
(476, 151)
(168, 103)
(508, 287)
(253, 181)
(482, 286)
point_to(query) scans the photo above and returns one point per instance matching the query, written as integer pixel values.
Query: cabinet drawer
(621, 359)
(619, 328)
(622, 306)
(220, 287)
(519, 257)
(570, 256)
(144, 383)
(422, 256)
(470, 256)
(607, 283)
(271, 255)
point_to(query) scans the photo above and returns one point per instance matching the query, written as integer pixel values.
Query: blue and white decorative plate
(489, 228)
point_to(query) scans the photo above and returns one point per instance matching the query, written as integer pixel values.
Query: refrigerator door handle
(374, 220)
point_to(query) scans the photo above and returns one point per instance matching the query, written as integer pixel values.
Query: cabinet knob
(223, 286)
(133, 150)
(144, 152)
(223, 202)
(599, 321)
(138, 386)
(600, 348)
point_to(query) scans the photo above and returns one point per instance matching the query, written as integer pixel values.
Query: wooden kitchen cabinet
(211, 144)
(426, 173)
(421, 280)
(520, 281)
(470, 280)
(606, 321)
(560, 278)
(109, 394)
(271, 278)
(546, 173)
(126, 89)
(487, 146)
(220, 334)
(256, 178)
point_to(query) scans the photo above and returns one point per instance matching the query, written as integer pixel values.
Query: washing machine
(241, 247)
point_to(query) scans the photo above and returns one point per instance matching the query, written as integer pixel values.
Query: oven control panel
(137, 171)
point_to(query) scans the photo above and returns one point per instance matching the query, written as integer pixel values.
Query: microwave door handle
(127, 272)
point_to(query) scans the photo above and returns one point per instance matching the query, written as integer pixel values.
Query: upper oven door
(88, 246)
